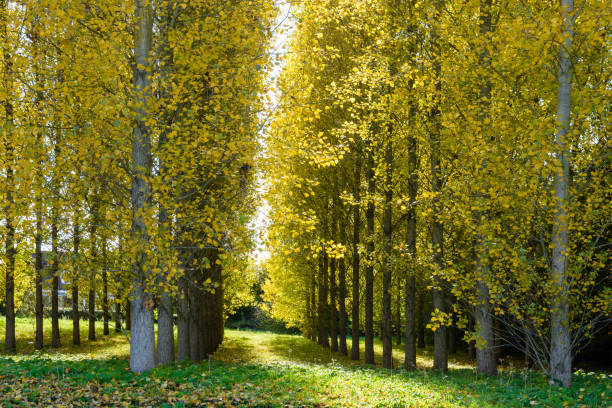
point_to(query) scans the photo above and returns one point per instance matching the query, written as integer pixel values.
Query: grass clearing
(255, 369)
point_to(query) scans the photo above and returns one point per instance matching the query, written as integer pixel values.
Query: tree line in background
(444, 164)
(129, 134)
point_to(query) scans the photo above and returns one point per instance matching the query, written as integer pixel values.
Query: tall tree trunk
(38, 189)
(76, 318)
(165, 323)
(485, 357)
(55, 332)
(165, 316)
(10, 345)
(323, 314)
(369, 270)
(560, 345)
(142, 340)
(437, 230)
(387, 336)
(355, 252)
(91, 299)
(411, 235)
(194, 323)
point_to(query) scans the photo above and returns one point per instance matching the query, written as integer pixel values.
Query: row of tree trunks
(200, 308)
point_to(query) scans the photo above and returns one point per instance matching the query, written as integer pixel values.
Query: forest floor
(255, 369)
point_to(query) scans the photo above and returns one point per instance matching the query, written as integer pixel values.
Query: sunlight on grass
(265, 369)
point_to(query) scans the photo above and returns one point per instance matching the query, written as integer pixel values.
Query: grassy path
(254, 369)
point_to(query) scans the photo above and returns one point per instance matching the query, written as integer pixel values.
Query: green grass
(262, 369)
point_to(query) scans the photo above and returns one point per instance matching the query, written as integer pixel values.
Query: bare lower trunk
(55, 333)
(369, 270)
(105, 313)
(342, 305)
(38, 343)
(165, 330)
(91, 303)
(183, 352)
(333, 316)
(387, 339)
(322, 313)
(76, 318)
(117, 316)
(411, 235)
(355, 252)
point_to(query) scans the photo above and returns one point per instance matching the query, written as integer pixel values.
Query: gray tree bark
(76, 318)
(9, 339)
(560, 346)
(387, 335)
(437, 229)
(142, 341)
(355, 252)
(369, 270)
(485, 357)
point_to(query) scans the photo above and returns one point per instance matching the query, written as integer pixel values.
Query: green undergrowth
(269, 370)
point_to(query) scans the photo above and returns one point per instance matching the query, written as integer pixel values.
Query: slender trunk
(323, 314)
(10, 345)
(355, 252)
(38, 343)
(91, 303)
(313, 307)
(76, 318)
(437, 230)
(194, 324)
(55, 332)
(105, 314)
(39, 185)
(165, 323)
(485, 356)
(411, 235)
(117, 315)
(369, 270)
(183, 352)
(387, 338)
(142, 341)
(560, 345)
(333, 315)
(91, 299)
(342, 292)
